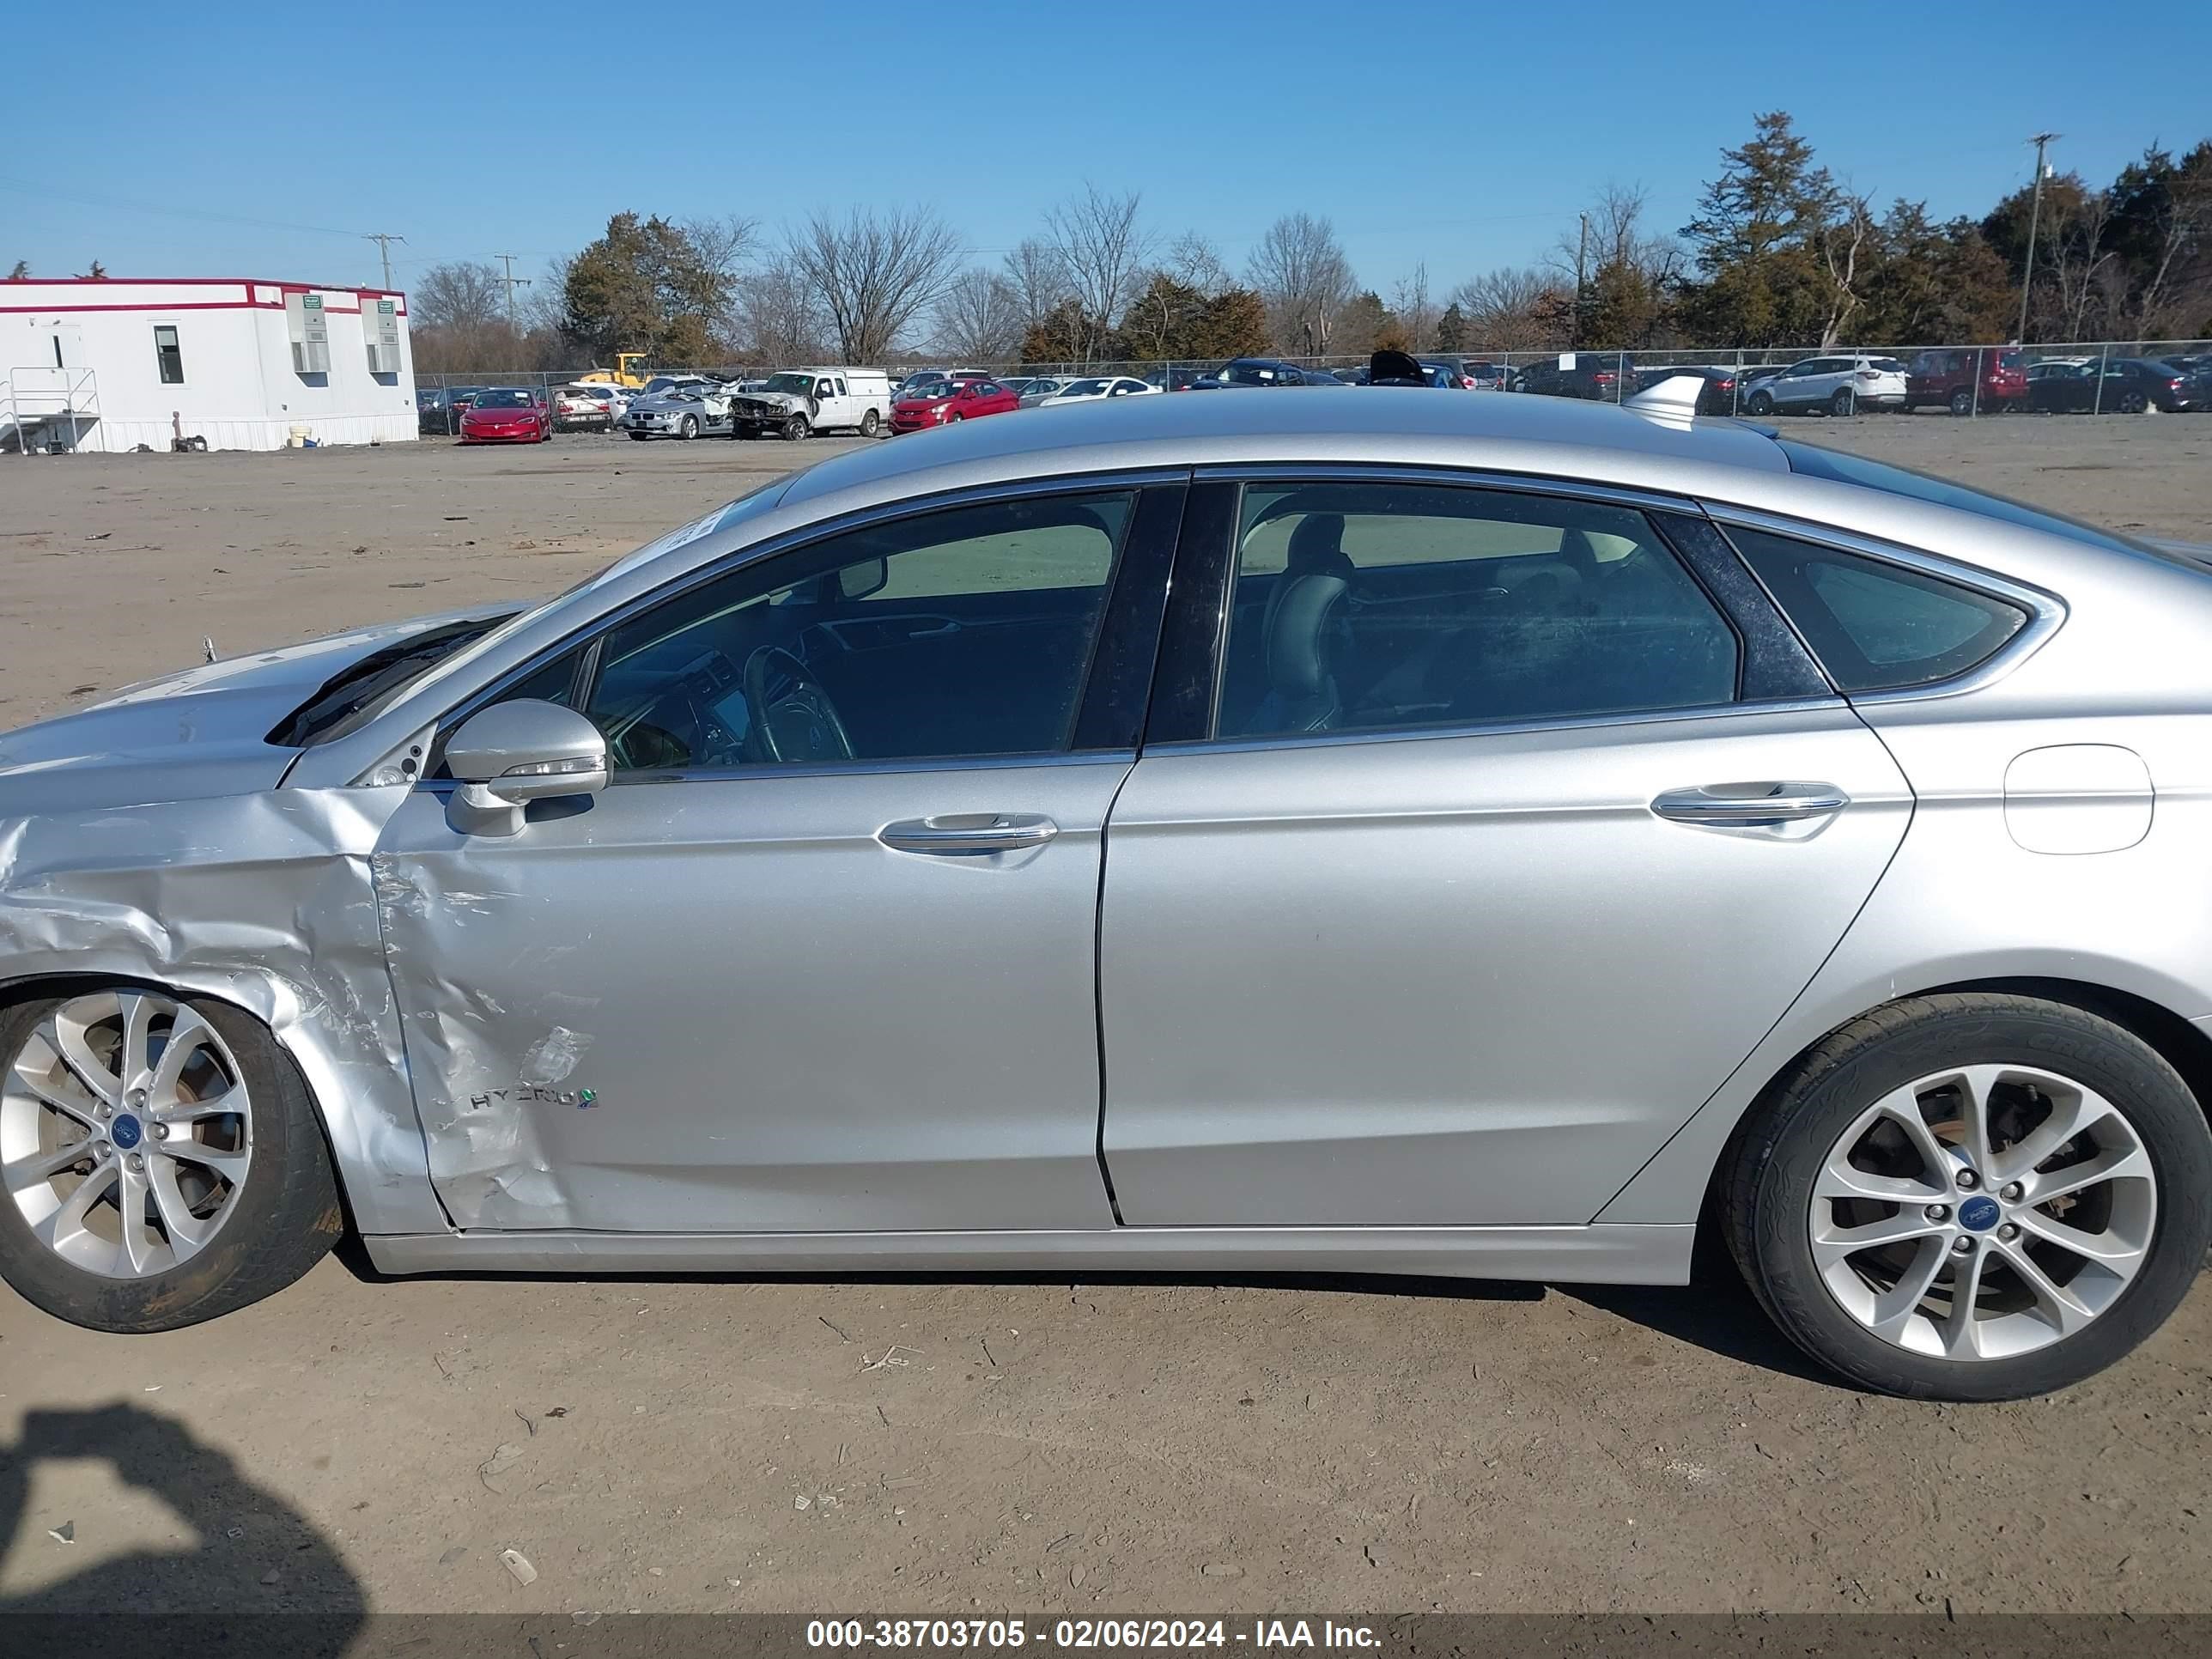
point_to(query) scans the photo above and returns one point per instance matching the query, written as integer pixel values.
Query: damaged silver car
(1462, 836)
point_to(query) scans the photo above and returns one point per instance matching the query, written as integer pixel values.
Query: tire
(278, 1222)
(1844, 402)
(1790, 1142)
(1962, 401)
(689, 429)
(870, 422)
(2131, 402)
(796, 429)
(1759, 403)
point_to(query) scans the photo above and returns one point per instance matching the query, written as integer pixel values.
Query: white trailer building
(109, 363)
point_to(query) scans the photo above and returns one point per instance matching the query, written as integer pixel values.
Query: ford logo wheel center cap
(1980, 1213)
(124, 1132)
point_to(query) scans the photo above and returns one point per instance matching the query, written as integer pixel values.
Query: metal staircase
(46, 408)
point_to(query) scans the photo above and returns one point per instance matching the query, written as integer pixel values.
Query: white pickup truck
(799, 402)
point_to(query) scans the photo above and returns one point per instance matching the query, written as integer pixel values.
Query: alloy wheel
(125, 1132)
(1983, 1212)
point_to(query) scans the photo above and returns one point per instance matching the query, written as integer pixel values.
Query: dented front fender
(266, 900)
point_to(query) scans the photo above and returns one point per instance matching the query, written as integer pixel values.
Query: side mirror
(513, 753)
(857, 581)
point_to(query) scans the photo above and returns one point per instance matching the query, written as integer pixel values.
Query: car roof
(1568, 439)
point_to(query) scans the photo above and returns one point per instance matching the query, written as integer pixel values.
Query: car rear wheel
(161, 1160)
(869, 423)
(796, 429)
(1759, 403)
(1962, 401)
(1843, 402)
(1972, 1196)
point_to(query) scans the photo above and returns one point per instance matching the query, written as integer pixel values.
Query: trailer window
(168, 353)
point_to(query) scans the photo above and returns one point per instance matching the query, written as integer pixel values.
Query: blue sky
(247, 140)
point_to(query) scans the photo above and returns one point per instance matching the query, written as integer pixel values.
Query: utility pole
(384, 240)
(512, 282)
(1582, 257)
(2034, 213)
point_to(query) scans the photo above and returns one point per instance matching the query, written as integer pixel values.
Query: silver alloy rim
(125, 1132)
(1983, 1212)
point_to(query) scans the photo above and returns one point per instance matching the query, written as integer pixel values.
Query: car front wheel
(1972, 1196)
(162, 1160)
(1761, 403)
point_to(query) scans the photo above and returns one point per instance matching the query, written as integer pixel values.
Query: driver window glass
(960, 634)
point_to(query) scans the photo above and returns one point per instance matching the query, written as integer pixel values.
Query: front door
(822, 957)
(1500, 858)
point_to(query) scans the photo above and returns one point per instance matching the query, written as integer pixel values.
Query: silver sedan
(1465, 836)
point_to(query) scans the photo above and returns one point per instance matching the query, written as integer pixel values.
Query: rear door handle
(953, 833)
(1749, 805)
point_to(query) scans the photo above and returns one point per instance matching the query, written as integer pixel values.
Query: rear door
(1491, 833)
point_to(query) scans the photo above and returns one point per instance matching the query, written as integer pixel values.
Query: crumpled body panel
(263, 900)
(480, 1092)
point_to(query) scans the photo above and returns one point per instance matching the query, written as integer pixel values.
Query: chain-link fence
(2114, 377)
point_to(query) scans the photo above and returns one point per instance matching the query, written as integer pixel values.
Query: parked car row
(794, 404)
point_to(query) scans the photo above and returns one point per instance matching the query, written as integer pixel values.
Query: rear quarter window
(1875, 626)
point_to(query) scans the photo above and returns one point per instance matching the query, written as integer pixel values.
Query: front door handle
(969, 832)
(1751, 805)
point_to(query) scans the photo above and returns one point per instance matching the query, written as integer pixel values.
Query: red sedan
(507, 415)
(941, 403)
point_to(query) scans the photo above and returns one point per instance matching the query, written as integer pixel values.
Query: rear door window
(1876, 626)
(1372, 607)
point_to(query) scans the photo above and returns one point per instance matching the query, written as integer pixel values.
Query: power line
(22, 189)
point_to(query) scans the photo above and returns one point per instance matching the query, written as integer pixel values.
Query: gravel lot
(1032, 1445)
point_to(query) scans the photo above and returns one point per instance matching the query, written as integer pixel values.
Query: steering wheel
(794, 719)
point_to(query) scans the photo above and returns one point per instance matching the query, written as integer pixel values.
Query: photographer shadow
(214, 1597)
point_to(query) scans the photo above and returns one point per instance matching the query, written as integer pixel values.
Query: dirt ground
(1035, 1446)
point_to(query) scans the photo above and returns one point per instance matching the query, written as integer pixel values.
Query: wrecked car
(1465, 836)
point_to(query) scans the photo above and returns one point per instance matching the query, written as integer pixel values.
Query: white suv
(1834, 385)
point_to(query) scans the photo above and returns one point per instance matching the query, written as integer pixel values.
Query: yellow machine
(624, 373)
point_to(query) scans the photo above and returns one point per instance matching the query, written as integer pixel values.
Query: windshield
(1083, 389)
(503, 400)
(926, 391)
(1837, 468)
(802, 384)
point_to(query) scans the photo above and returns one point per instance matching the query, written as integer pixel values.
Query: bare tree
(779, 318)
(875, 273)
(1301, 272)
(979, 320)
(725, 244)
(1842, 246)
(1410, 301)
(2182, 222)
(460, 295)
(545, 307)
(1103, 248)
(2082, 265)
(1193, 260)
(1511, 310)
(1040, 280)
(1616, 237)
